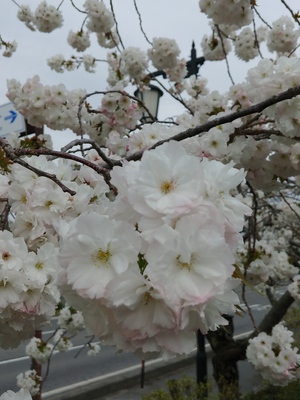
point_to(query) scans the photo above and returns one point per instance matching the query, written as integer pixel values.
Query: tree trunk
(225, 367)
(227, 351)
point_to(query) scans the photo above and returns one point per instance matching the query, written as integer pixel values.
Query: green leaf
(4, 162)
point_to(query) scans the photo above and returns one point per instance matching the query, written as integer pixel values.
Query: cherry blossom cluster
(245, 46)
(9, 47)
(29, 380)
(70, 320)
(238, 12)
(174, 213)
(39, 203)
(176, 203)
(42, 350)
(283, 36)
(117, 113)
(57, 107)
(215, 48)
(59, 64)
(134, 62)
(274, 356)
(294, 288)
(276, 76)
(168, 207)
(79, 40)
(266, 262)
(164, 53)
(46, 18)
(39, 350)
(28, 288)
(22, 394)
(100, 19)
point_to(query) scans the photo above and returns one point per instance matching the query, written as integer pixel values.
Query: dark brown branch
(290, 207)
(235, 350)
(256, 108)
(79, 142)
(4, 215)
(14, 154)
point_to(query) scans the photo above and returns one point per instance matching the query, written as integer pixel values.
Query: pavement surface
(126, 384)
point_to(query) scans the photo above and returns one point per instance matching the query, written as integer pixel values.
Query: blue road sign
(10, 120)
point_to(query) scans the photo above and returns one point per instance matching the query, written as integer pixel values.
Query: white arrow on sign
(10, 120)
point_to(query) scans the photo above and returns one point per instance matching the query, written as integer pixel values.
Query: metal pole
(201, 360)
(142, 373)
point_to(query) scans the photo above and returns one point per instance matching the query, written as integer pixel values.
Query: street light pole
(153, 94)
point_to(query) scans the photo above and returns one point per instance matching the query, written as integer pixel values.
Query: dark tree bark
(225, 368)
(227, 351)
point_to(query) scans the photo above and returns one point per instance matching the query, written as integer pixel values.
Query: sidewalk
(125, 384)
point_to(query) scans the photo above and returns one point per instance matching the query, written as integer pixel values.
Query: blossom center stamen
(39, 265)
(5, 256)
(101, 257)
(186, 265)
(167, 186)
(147, 297)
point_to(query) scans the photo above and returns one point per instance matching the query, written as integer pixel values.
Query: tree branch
(79, 142)
(14, 154)
(4, 215)
(256, 108)
(235, 350)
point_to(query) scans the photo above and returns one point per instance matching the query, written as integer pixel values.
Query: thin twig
(290, 207)
(80, 105)
(52, 352)
(291, 11)
(116, 23)
(293, 51)
(248, 307)
(225, 54)
(76, 8)
(140, 20)
(84, 346)
(16, 3)
(14, 155)
(79, 142)
(256, 43)
(253, 217)
(60, 4)
(261, 18)
(174, 97)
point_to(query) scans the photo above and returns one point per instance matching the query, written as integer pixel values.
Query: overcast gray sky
(178, 19)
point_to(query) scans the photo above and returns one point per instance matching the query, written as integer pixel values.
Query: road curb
(96, 388)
